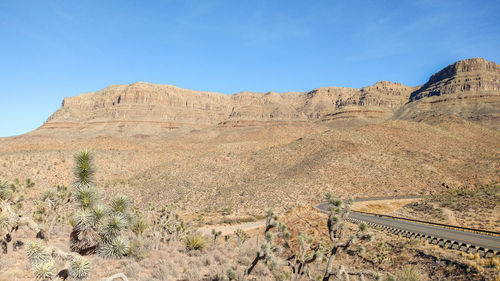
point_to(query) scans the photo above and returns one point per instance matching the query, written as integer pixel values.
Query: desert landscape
(197, 161)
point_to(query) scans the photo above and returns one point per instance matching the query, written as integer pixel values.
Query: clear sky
(53, 49)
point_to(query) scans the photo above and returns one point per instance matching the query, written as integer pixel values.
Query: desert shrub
(207, 260)
(163, 271)
(220, 257)
(193, 272)
(132, 269)
(410, 273)
(427, 208)
(195, 242)
(138, 249)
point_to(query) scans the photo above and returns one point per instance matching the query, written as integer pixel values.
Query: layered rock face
(469, 89)
(143, 102)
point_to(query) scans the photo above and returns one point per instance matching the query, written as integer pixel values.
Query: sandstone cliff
(468, 89)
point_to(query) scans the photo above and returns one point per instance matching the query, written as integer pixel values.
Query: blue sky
(53, 49)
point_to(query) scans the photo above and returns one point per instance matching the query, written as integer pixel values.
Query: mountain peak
(464, 66)
(470, 75)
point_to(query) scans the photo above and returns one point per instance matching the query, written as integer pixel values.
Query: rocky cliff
(469, 89)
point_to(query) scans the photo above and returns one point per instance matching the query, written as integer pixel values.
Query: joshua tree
(11, 218)
(84, 238)
(306, 253)
(215, 234)
(166, 225)
(339, 210)
(52, 208)
(269, 248)
(97, 227)
(242, 236)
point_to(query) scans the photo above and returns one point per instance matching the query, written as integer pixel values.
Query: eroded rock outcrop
(468, 89)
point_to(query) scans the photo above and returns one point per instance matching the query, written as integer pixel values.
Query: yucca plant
(53, 208)
(37, 253)
(241, 235)
(45, 271)
(86, 197)
(195, 242)
(113, 227)
(139, 225)
(6, 190)
(121, 204)
(84, 169)
(98, 214)
(79, 268)
(84, 238)
(116, 248)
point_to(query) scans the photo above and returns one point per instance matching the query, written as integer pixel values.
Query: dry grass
(476, 207)
(247, 169)
(381, 206)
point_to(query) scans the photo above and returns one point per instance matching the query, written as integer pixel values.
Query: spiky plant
(6, 190)
(5, 223)
(84, 221)
(195, 242)
(166, 225)
(241, 235)
(84, 238)
(215, 234)
(98, 214)
(115, 224)
(302, 256)
(121, 204)
(116, 248)
(339, 211)
(84, 169)
(269, 249)
(45, 271)
(37, 253)
(139, 225)
(50, 196)
(86, 197)
(79, 268)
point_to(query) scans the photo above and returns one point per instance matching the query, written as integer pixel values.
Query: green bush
(195, 242)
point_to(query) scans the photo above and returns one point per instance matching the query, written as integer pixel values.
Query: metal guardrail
(480, 231)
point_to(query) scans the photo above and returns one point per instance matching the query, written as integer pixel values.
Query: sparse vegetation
(475, 207)
(195, 242)
(106, 228)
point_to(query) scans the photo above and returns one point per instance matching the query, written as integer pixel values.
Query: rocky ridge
(469, 89)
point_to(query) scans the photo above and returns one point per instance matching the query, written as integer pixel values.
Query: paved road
(470, 238)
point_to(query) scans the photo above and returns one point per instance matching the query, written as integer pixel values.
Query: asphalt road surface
(470, 238)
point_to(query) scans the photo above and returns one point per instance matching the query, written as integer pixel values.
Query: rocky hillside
(247, 151)
(468, 89)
